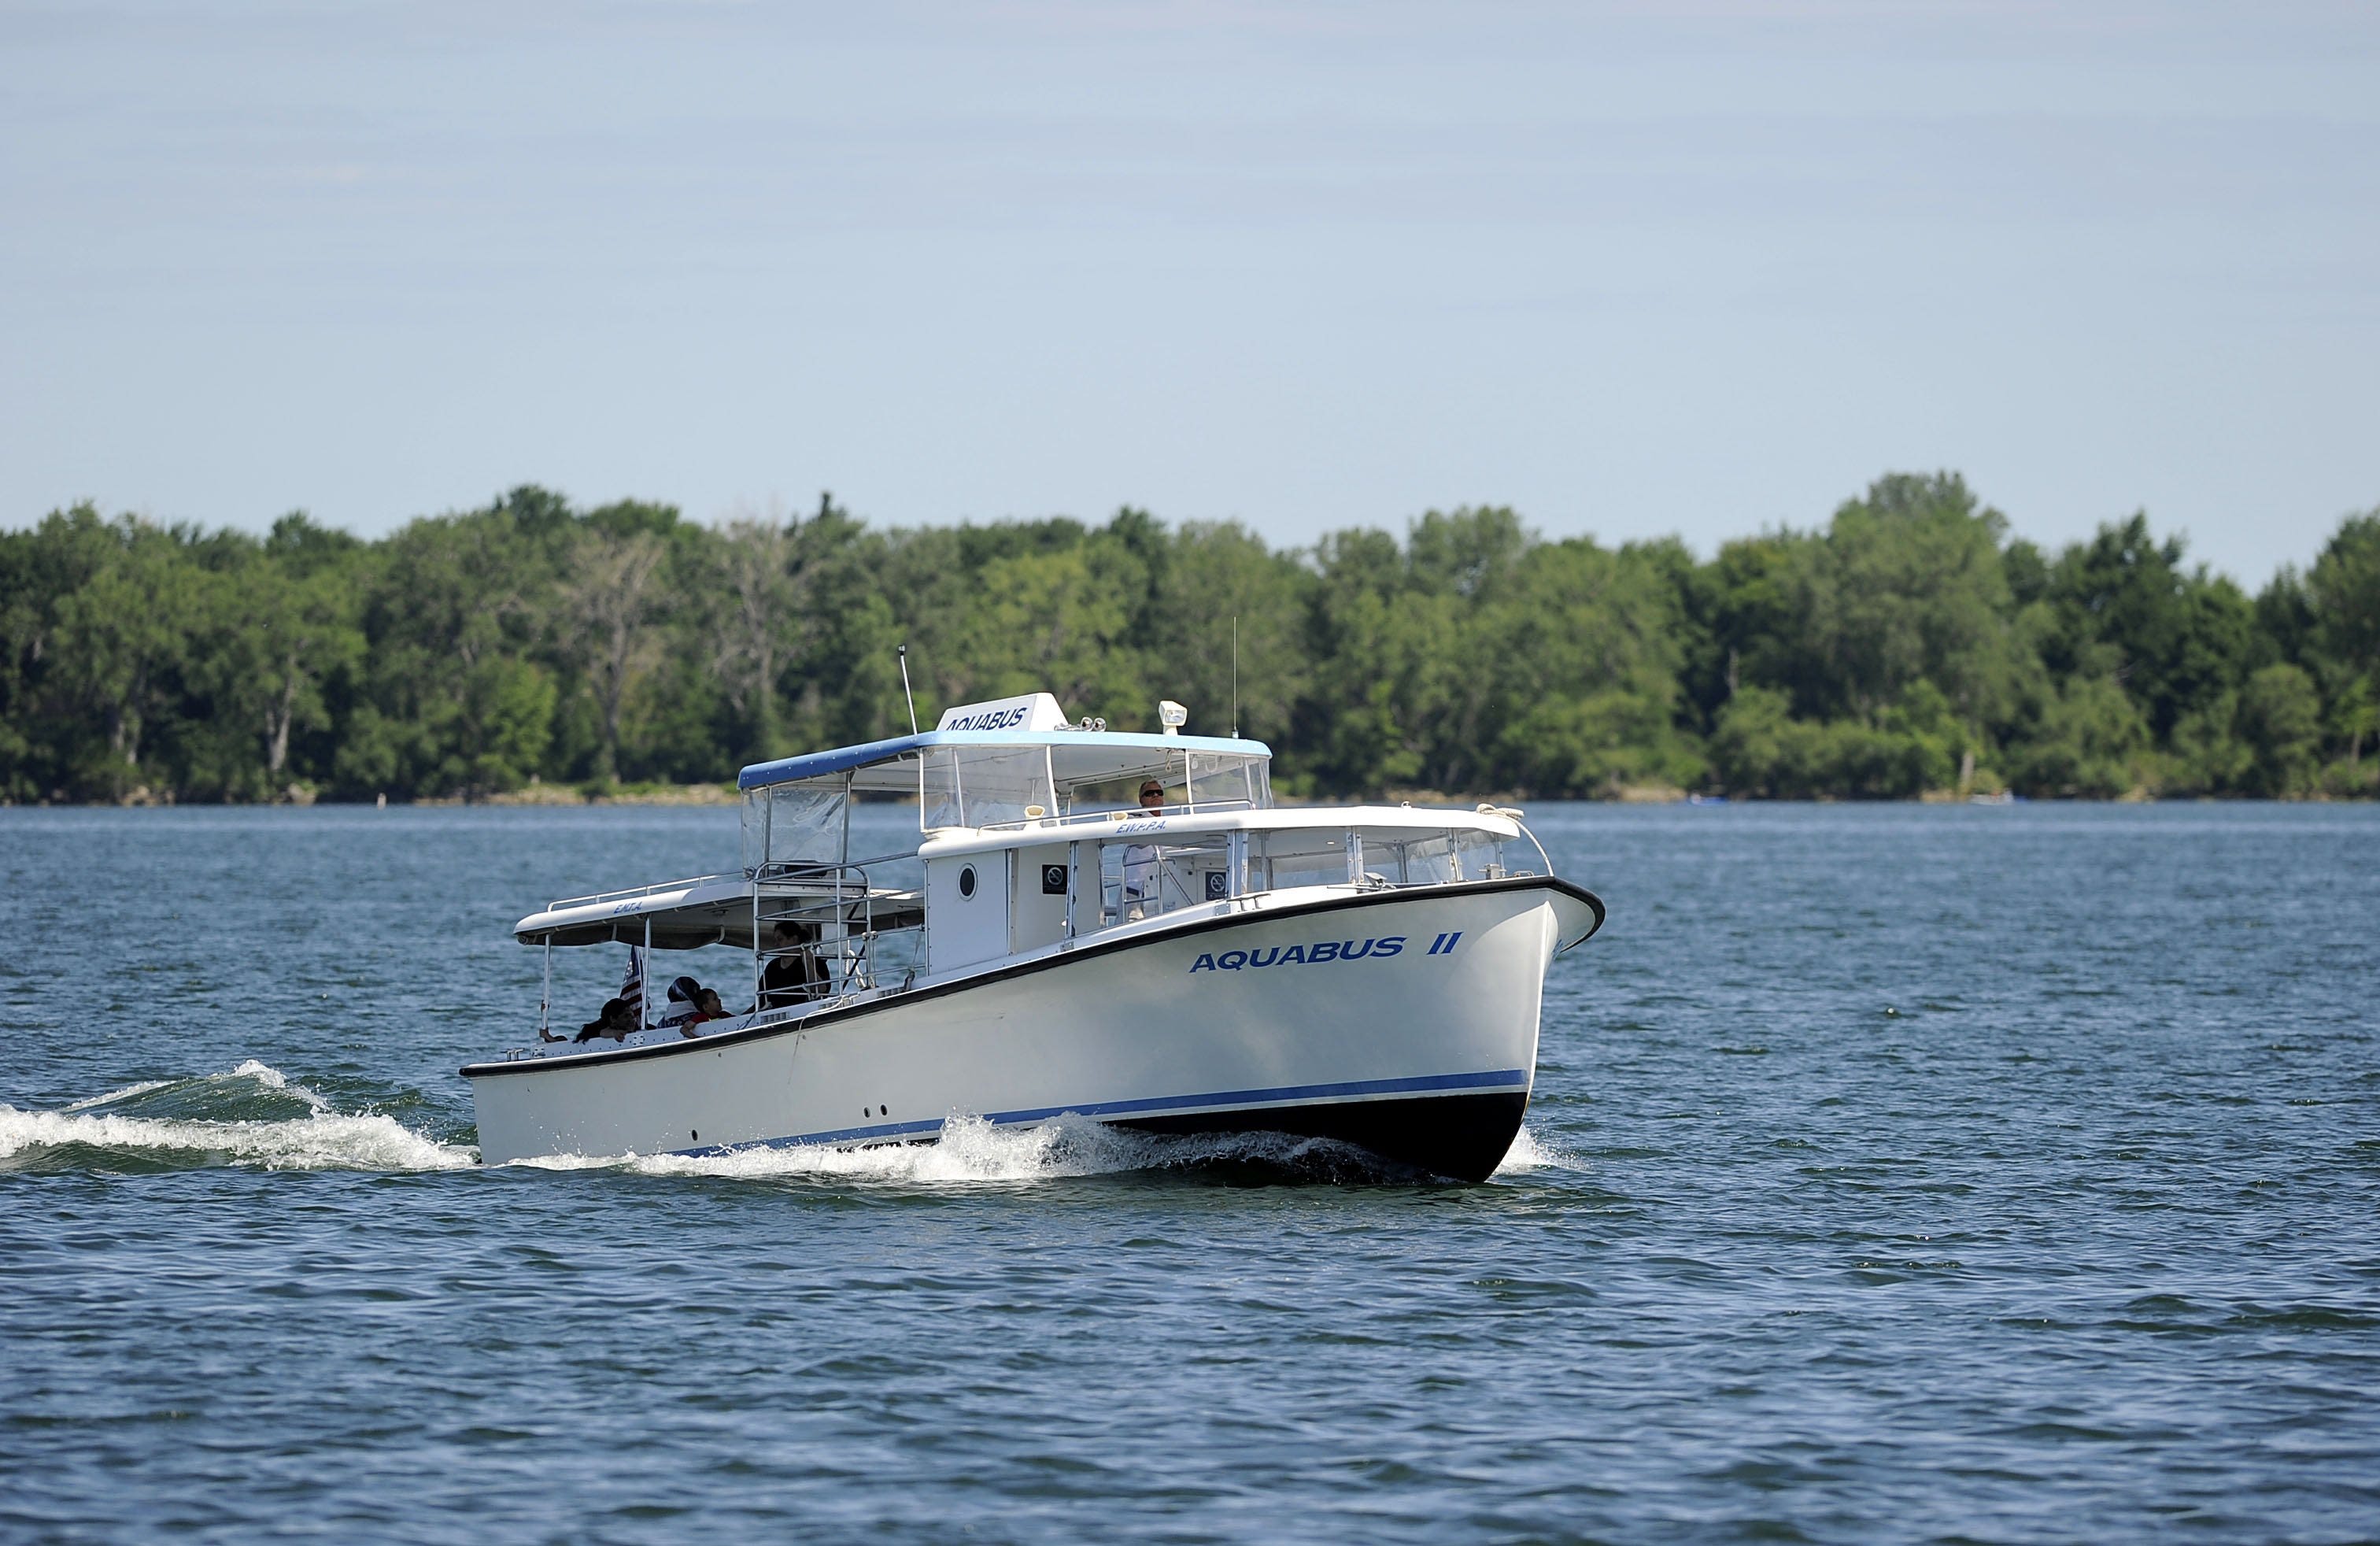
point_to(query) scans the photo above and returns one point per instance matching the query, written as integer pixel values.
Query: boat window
(1142, 879)
(1300, 857)
(1427, 858)
(1229, 781)
(1088, 795)
(1479, 856)
(982, 787)
(793, 823)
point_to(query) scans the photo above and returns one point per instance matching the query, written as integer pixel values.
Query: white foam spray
(1530, 1152)
(971, 1151)
(968, 1151)
(324, 1139)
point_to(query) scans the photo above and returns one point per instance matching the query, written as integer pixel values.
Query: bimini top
(1082, 756)
(990, 765)
(1032, 723)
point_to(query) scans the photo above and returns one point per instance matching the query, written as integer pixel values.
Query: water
(1894, 1173)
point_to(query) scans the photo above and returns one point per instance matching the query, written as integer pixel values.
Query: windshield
(794, 824)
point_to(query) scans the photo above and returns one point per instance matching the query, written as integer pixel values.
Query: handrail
(653, 890)
(1128, 813)
(843, 887)
(743, 877)
(1323, 815)
(815, 869)
(1543, 858)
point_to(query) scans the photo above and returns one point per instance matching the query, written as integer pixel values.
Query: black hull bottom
(1463, 1137)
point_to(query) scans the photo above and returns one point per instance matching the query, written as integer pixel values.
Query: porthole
(966, 881)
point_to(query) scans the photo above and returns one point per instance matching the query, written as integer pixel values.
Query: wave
(130, 1091)
(253, 1115)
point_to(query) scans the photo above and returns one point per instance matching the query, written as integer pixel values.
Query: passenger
(794, 974)
(685, 1001)
(706, 1008)
(1140, 859)
(616, 1022)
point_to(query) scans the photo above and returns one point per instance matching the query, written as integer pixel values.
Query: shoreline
(705, 795)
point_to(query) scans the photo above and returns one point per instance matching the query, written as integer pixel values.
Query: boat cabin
(1033, 837)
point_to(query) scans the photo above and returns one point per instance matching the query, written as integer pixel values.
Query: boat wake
(251, 1116)
(972, 1151)
(255, 1116)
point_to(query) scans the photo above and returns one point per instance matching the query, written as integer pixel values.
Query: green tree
(1055, 621)
(121, 639)
(2177, 638)
(1746, 607)
(501, 719)
(2280, 720)
(756, 626)
(2090, 743)
(442, 597)
(1905, 592)
(2209, 758)
(1907, 645)
(1908, 587)
(301, 609)
(2344, 588)
(1217, 577)
(1580, 656)
(610, 602)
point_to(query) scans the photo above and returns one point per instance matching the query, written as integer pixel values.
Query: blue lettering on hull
(1320, 953)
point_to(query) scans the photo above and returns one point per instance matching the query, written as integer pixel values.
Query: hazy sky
(1632, 269)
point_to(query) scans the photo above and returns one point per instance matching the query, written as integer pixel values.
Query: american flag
(632, 987)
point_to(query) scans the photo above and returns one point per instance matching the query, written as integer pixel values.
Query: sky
(1632, 269)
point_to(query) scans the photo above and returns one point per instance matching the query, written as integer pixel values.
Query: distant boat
(2003, 798)
(1205, 962)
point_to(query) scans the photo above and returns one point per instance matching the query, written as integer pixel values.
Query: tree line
(1907, 646)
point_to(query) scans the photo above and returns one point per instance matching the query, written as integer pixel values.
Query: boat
(1123, 928)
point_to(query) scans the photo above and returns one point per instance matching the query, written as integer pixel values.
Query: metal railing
(829, 929)
(626, 891)
(1128, 813)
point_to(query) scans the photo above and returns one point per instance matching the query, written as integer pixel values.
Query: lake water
(1894, 1172)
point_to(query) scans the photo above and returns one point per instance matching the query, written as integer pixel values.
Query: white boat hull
(1406, 1021)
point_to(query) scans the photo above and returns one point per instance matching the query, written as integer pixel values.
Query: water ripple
(1929, 1174)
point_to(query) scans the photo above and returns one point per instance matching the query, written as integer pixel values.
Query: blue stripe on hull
(1351, 1090)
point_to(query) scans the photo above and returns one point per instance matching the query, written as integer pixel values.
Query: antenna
(905, 689)
(1235, 676)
